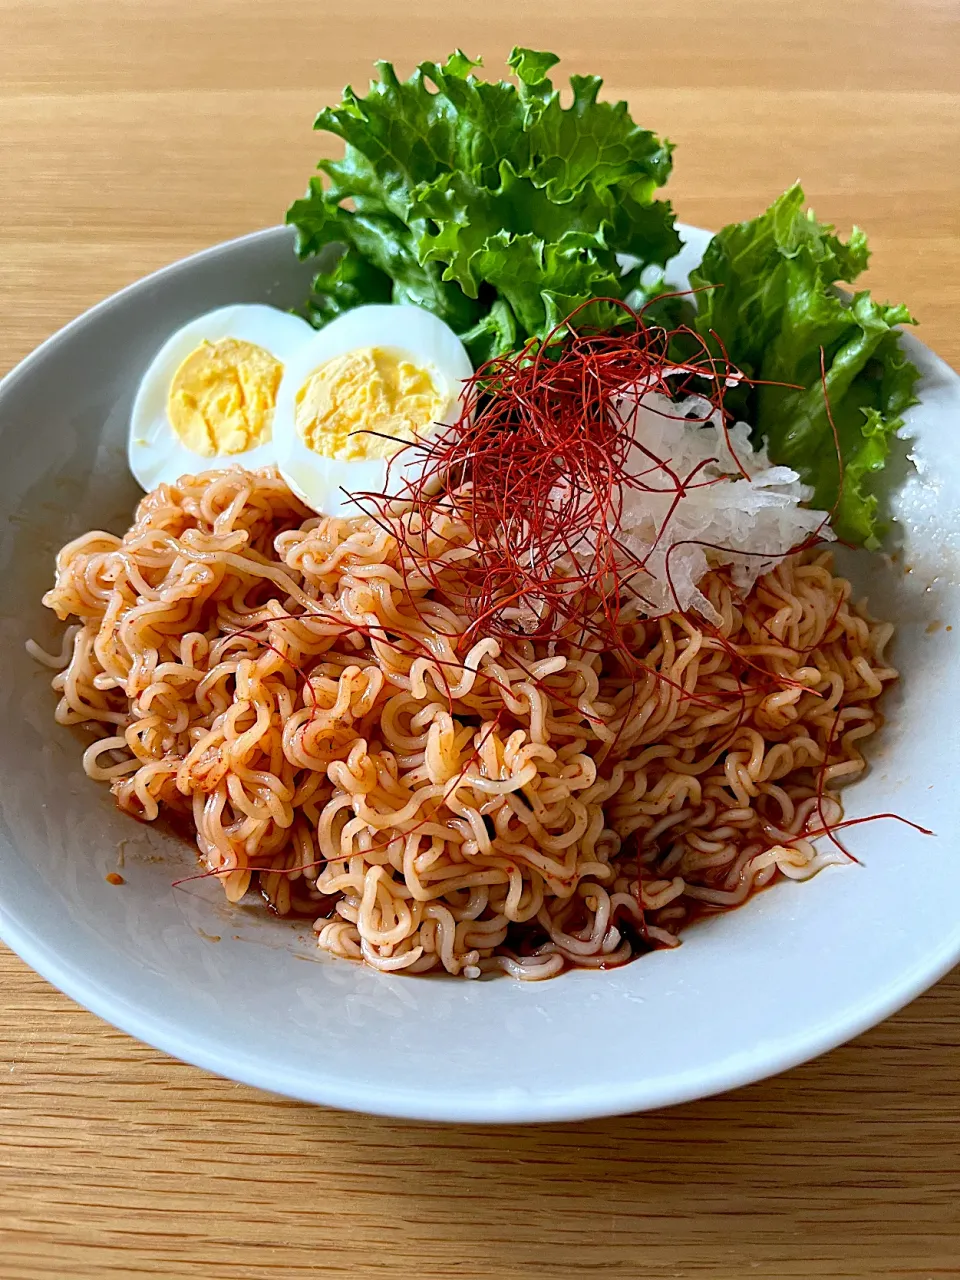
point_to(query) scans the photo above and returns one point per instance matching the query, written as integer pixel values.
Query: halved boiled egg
(209, 396)
(374, 380)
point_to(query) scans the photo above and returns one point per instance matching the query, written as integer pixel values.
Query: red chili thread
(546, 457)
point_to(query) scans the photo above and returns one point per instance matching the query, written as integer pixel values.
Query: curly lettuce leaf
(771, 305)
(490, 204)
(595, 144)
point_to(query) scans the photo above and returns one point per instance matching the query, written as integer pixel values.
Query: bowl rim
(166, 1033)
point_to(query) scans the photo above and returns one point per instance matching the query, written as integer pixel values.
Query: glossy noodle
(435, 799)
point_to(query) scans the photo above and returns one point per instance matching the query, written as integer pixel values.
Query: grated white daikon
(721, 517)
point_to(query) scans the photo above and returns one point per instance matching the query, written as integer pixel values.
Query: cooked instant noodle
(338, 733)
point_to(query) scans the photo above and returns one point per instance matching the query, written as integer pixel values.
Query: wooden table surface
(135, 131)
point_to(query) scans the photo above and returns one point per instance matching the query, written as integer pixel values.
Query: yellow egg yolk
(223, 396)
(366, 403)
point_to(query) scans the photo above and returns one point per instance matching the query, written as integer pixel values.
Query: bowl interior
(798, 969)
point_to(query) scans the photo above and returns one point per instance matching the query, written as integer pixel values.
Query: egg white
(155, 452)
(324, 483)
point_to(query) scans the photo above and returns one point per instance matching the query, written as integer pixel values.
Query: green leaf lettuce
(490, 204)
(770, 302)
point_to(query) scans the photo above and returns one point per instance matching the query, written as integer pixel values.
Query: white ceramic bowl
(798, 970)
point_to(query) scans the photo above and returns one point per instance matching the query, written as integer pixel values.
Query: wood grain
(132, 133)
